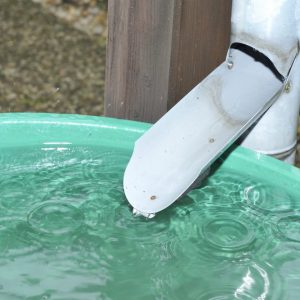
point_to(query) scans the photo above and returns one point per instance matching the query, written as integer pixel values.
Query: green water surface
(67, 232)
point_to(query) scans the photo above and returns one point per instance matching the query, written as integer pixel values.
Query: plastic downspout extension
(276, 133)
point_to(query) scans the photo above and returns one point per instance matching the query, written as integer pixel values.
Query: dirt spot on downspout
(214, 86)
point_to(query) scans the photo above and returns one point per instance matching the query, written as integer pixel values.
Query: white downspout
(176, 152)
(276, 133)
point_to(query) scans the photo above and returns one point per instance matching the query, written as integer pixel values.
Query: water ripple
(288, 226)
(15, 194)
(220, 234)
(228, 234)
(20, 245)
(221, 189)
(250, 281)
(268, 198)
(55, 218)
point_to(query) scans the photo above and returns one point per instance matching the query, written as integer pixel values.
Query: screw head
(230, 65)
(287, 87)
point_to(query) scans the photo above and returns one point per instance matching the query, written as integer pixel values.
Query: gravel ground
(89, 16)
(46, 65)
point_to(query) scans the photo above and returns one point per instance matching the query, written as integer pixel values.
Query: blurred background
(52, 56)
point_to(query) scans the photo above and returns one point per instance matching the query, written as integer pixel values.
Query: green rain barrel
(67, 231)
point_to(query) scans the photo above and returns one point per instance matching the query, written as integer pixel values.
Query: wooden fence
(158, 50)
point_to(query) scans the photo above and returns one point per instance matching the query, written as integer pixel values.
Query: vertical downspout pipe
(276, 133)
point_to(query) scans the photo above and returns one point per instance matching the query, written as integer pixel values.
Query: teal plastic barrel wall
(67, 231)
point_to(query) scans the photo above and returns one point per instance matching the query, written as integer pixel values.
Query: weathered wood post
(158, 50)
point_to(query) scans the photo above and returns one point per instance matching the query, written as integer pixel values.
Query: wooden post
(158, 50)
